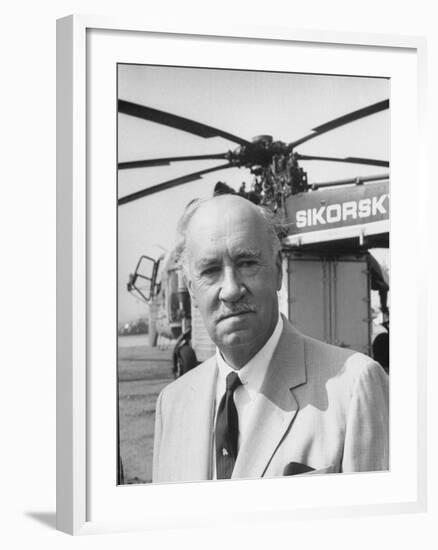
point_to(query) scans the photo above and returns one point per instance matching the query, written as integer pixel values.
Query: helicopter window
(143, 282)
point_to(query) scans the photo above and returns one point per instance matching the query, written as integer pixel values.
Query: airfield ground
(143, 372)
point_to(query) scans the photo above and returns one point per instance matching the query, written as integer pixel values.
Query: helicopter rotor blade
(174, 121)
(350, 160)
(349, 181)
(170, 184)
(342, 120)
(166, 161)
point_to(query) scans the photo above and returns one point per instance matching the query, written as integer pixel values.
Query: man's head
(232, 261)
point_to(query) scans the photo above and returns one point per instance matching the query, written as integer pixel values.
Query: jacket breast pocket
(297, 468)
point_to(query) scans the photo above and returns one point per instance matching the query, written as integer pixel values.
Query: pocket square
(294, 468)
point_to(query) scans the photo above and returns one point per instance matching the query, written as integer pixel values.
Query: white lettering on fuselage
(342, 212)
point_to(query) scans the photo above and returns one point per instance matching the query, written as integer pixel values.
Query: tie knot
(233, 382)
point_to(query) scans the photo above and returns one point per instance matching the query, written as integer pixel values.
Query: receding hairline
(234, 200)
(273, 228)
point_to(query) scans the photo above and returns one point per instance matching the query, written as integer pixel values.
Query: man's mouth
(236, 313)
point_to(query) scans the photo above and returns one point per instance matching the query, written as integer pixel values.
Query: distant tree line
(140, 326)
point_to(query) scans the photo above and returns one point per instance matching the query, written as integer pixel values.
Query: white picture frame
(87, 499)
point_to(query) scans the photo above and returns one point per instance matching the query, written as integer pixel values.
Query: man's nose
(232, 288)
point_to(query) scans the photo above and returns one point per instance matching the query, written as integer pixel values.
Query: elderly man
(272, 401)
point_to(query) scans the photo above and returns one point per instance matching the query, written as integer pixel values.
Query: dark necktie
(227, 430)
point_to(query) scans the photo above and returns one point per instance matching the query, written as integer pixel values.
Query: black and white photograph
(253, 274)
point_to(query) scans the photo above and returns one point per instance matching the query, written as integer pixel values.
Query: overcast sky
(246, 104)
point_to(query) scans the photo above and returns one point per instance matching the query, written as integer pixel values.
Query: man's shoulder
(335, 360)
(334, 374)
(193, 378)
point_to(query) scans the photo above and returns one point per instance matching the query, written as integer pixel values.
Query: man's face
(233, 275)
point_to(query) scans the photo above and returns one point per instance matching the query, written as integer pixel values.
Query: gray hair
(276, 230)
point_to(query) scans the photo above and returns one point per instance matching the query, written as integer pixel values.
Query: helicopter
(275, 165)
(329, 228)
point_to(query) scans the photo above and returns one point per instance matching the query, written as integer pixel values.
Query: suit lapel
(275, 406)
(198, 414)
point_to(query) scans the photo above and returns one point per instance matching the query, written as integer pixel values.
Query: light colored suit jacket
(319, 405)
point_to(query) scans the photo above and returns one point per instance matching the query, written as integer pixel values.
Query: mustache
(240, 308)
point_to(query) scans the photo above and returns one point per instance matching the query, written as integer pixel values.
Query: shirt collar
(253, 372)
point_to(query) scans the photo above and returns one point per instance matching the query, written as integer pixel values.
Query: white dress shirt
(251, 375)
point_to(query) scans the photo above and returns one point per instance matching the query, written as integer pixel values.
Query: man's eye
(209, 271)
(247, 263)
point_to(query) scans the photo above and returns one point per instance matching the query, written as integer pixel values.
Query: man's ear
(279, 267)
(189, 286)
(192, 296)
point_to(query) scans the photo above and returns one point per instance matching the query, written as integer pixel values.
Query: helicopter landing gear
(184, 359)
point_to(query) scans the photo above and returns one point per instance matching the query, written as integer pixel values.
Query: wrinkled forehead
(230, 228)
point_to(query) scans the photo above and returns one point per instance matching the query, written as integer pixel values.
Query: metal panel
(351, 296)
(308, 295)
(329, 297)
